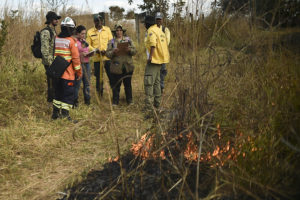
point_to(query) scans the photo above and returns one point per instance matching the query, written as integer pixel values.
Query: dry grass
(39, 157)
(225, 72)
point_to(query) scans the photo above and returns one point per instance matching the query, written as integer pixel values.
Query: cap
(158, 15)
(51, 16)
(97, 16)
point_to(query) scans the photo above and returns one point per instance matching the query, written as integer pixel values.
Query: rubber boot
(87, 102)
(65, 115)
(56, 113)
(75, 105)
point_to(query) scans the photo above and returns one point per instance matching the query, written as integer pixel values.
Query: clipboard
(122, 48)
(91, 53)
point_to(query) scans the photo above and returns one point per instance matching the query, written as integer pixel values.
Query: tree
(178, 7)
(130, 14)
(54, 4)
(116, 13)
(271, 12)
(153, 6)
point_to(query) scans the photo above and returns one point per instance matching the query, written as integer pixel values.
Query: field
(228, 125)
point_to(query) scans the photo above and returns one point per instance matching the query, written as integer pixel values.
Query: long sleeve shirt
(99, 39)
(82, 49)
(47, 45)
(156, 38)
(67, 48)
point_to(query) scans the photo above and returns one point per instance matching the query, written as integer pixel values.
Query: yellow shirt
(98, 39)
(156, 38)
(167, 33)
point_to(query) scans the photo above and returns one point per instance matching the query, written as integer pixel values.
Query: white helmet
(69, 22)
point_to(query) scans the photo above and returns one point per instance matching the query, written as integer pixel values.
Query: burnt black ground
(149, 180)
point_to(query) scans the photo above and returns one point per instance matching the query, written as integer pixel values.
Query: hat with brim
(118, 26)
(51, 16)
(149, 20)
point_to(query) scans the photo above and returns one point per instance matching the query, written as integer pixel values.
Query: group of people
(111, 50)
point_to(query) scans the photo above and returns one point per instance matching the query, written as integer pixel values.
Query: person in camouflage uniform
(121, 67)
(47, 48)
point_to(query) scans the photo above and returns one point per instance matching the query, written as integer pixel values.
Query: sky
(91, 5)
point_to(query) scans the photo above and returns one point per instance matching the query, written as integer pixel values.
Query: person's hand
(103, 52)
(115, 51)
(78, 77)
(97, 50)
(149, 59)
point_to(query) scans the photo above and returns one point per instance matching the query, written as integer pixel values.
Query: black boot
(75, 105)
(56, 113)
(87, 102)
(65, 115)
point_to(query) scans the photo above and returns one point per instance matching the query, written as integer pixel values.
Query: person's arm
(75, 59)
(89, 41)
(45, 47)
(110, 36)
(168, 35)
(151, 54)
(132, 49)
(110, 49)
(152, 43)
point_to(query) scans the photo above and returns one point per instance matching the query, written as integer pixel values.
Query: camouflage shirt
(47, 46)
(118, 62)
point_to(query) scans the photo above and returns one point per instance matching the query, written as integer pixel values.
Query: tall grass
(230, 84)
(249, 79)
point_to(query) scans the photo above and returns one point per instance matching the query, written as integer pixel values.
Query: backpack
(36, 46)
(164, 29)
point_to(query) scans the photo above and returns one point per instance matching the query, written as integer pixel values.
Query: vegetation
(116, 13)
(228, 126)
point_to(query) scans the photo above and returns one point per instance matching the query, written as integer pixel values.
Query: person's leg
(67, 98)
(127, 86)
(148, 86)
(163, 74)
(76, 92)
(57, 99)
(107, 70)
(116, 84)
(97, 75)
(86, 82)
(50, 87)
(156, 85)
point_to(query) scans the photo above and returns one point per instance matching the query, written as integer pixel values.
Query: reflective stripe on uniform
(67, 57)
(62, 51)
(77, 67)
(66, 106)
(57, 103)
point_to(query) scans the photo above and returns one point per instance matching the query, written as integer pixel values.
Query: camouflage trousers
(152, 86)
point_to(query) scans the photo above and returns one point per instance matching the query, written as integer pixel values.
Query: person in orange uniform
(66, 46)
(98, 38)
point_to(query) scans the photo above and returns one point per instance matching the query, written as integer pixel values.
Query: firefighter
(98, 38)
(66, 47)
(157, 47)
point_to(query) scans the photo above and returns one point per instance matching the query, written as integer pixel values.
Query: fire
(220, 154)
(144, 146)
